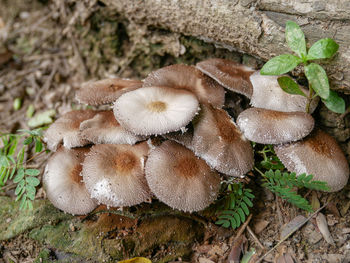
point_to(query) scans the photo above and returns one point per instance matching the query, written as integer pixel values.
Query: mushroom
(105, 91)
(274, 127)
(155, 110)
(104, 128)
(220, 143)
(230, 74)
(114, 174)
(180, 179)
(66, 130)
(188, 77)
(268, 94)
(318, 154)
(63, 183)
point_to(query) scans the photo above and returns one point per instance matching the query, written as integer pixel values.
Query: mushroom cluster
(169, 137)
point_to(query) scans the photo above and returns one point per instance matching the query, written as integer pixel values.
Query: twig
(291, 232)
(279, 214)
(251, 232)
(243, 227)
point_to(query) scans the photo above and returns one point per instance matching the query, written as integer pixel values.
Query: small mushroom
(180, 179)
(63, 183)
(318, 154)
(105, 91)
(230, 74)
(187, 77)
(66, 130)
(104, 128)
(220, 143)
(268, 94)
(114, 174)
(274, 127)
(155, 110)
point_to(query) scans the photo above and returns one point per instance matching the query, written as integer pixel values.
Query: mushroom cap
(104, 128)
(232, 75)
(66, 130)
(155, 110)
(318, 154)
(268, 94)
(188, 77)
(114, 174)
(220, 143)
(105, 91)
(180, 179)
(274, 127)
(63, 183)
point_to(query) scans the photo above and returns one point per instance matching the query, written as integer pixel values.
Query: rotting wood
(250, 26)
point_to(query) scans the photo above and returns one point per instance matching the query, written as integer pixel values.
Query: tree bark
(250, 26)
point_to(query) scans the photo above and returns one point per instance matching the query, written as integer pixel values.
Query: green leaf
(42, 118)
(245, 208)
(318, 79)
(19, 176)
(33, 181)
(289, 86)
(223, 223)
(32, 172)
(238, 219)
(29, 204)
(28, 140)
(295, 38)
(19, 188)
(334, 102)
(241, 214)
(247, 201)
(324, 48)
(30, 190)
(38, 146)
(23, 203)
(280, 65)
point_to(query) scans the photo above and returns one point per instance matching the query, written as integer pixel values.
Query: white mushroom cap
(114, 174)
(155, 110)
(220, 143)
(274, 127)
(318, 154)
(105, 91)
(188, 77)
(180, 179)
(230, 74)
(66, 130)
(63, 183)
(268, 94)
(104, 128)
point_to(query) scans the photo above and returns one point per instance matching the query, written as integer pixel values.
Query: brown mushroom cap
(220, 143)
(318, 154)
(230, 74)
(114, 174)
(104, 128)
(187, 77)
(180, 179)
(105, 91)
(63, 183)
(268, 94)
(155, 110)
(66, 129)
(274, 127)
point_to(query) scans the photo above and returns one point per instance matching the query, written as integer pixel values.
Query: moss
(16, 222)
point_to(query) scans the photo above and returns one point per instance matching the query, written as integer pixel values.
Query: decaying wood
(250, 26)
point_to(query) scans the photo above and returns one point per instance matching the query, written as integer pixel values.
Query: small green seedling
(315, 74)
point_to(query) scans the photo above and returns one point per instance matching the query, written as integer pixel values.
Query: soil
(48, 48)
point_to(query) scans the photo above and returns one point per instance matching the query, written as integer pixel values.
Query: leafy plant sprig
(315, 74)
(236, 206)
(14, 166)
(285, 184)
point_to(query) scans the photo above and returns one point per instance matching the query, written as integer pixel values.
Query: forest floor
(47, 49)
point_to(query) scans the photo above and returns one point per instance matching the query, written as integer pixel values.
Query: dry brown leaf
(345, 208)
(322, 225)
(292, 225)
(260, 225)
(236, 251)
